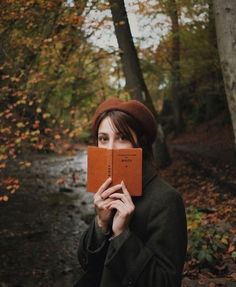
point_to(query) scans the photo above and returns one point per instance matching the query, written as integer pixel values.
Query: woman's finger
(106, 193)
(104, 186)
(119, 205)
(97, 196)
(101, 204)
(124, 210)
(120, 196)
(126, 192)
(124, 188)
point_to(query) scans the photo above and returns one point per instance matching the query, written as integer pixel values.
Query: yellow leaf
(2, 165)
(46, 115)
(34, 139)
(20, 125)
(18, 141)
(23, 102)
(39, 110)
(120, 23)
(15, 79)
(35, 133)
(3, 156)
(5, 198)
(224, 240)
(71, 134)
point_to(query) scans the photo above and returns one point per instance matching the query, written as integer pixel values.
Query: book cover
(119, 164)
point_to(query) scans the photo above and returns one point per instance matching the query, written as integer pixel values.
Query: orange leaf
(57, 137)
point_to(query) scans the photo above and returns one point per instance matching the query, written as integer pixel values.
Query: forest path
(203, 169)
(42, 222)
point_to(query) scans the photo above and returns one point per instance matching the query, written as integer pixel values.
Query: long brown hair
(124, 123)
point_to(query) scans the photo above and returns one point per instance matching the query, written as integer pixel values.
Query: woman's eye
(102, 139)
(123, 138)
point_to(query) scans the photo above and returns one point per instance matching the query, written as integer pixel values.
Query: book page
(127, 166)
(99, 167)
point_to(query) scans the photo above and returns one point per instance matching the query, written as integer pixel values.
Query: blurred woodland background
(60, 58)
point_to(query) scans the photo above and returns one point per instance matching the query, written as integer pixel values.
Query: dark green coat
(151, 253)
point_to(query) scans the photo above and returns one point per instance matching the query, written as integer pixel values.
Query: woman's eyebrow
(102, 133)
(106, 133)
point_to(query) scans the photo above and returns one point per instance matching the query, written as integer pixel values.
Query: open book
(119, 164)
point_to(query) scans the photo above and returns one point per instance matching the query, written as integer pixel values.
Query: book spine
(109, 163)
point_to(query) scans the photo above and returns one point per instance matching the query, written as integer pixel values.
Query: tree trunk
(135, 83)
(225, 17)
(210, 90)
(175, 69)
(214, 92)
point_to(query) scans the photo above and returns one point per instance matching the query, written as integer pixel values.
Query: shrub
(206, 242)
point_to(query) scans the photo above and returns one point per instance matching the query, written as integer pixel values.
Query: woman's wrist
(102, 225)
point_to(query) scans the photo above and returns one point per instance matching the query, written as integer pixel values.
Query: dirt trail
(41, 224)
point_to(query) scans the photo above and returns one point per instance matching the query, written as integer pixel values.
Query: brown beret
(135, 109)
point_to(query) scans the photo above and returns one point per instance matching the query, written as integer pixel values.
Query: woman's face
(109, 137)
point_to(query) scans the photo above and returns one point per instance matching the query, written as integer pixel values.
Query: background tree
(225, 17)
(135, 83)
(200, 89)
(173, 13)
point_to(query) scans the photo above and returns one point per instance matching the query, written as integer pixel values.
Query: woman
(139, 241)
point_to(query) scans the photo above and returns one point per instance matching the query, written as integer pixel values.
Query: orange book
(119, 164)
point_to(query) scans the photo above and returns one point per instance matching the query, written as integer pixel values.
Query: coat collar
(149, 172)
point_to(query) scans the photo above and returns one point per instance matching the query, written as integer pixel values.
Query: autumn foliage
(46, 70)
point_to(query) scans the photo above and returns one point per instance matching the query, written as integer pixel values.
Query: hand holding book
(108, 199)
(104, 215)
(123, 204)
(114, 175)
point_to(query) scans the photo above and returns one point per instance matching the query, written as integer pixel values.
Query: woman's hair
(124, 123)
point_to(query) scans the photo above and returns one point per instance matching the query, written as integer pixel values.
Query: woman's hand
(101, 200)
(124, 206)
